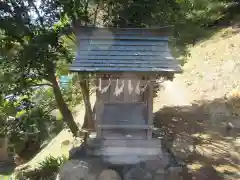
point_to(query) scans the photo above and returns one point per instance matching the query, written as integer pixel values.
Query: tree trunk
(63, 107)
(88, 118)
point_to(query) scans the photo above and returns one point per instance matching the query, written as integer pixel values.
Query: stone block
(174, 173)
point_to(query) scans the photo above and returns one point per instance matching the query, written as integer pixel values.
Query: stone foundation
(85, 165)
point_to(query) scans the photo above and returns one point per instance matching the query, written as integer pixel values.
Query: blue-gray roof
(124, 50)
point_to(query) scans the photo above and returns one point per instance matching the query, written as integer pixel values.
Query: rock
(85, 169)
(74, 170)
(78, 152)
(109, 174)
(138, 173)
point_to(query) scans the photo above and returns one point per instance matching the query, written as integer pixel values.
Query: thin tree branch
(20, 40)
(51, 109)
(109, 9)
(96, 13)
(86, 12)
(38, 13)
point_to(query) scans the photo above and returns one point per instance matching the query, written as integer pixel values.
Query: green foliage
(29, 131)
(52, 162)
(33, 46)
(6, 109)
(198, 20)
(30, 123)
(47, 169)
(140, 13)
(44, 99)
(39, 37)
(72, 94)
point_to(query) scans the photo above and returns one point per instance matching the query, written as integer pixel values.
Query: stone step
(154, 143)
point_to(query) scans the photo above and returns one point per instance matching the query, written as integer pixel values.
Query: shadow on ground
(205, 135)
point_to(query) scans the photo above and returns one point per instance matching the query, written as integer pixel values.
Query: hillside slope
(197, 107)
(213, 68)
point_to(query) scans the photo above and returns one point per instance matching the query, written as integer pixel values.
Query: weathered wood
(98, 105)
(137, 137)
(130, 147)
(132, 143)
(124, 134)
(122, 126)
(137, 151)
(150, 106)
(109, 98)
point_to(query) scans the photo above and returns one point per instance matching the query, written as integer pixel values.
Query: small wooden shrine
(127, 63)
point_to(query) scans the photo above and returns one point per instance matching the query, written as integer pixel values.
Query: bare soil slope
(200, 109)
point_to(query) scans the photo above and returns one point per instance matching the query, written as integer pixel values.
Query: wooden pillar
(98, 105)
(150, 107)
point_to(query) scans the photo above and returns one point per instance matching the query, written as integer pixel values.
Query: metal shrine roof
(123, 50)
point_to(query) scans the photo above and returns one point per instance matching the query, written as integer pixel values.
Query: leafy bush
(52, 162)
(27, 132)
(47, 170)
(27, 122)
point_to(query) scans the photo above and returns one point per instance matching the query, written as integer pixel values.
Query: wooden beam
(98, 110)
(128, 126)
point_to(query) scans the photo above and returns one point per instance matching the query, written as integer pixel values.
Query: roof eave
(177, 71)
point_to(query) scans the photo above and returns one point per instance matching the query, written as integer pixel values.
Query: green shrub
(52, 162)
(29, 131)
(47, 170)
